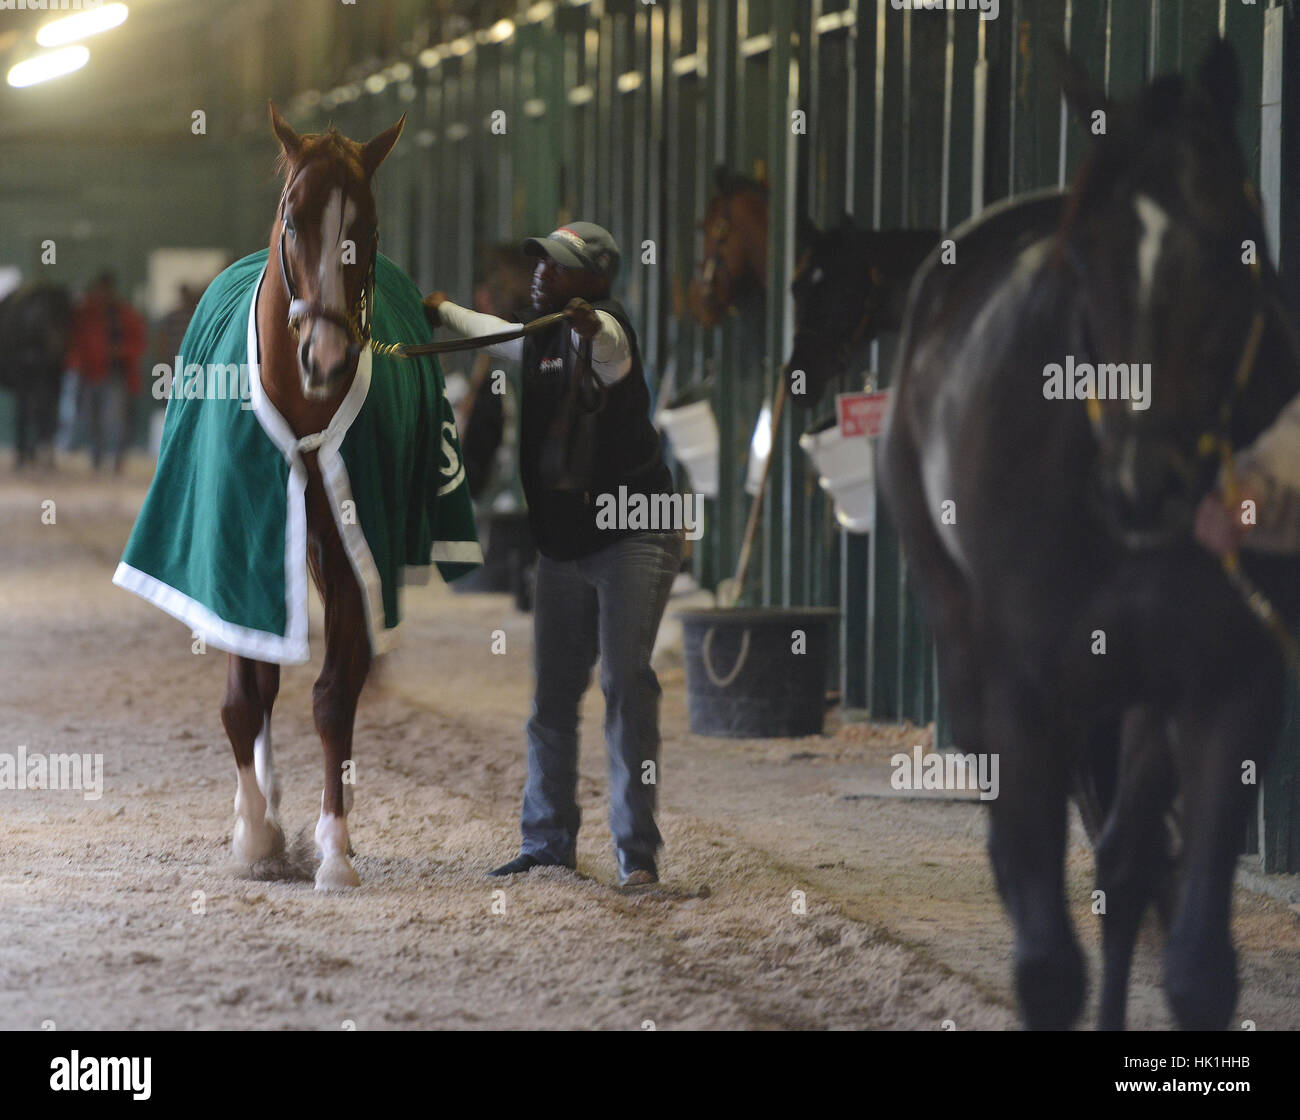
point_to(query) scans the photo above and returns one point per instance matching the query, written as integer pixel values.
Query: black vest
(627, 451)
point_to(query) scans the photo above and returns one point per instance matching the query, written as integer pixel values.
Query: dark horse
(850, 286)
(1081, 632)
(35, 323)
(312, 322)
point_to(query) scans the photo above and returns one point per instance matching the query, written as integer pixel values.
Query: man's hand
(1218, 528)
(582, 318)
(432, 302)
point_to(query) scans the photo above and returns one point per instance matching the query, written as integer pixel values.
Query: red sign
(861, 414)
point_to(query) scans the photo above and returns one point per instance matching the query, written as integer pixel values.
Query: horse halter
(355, 321)
(1216, 440)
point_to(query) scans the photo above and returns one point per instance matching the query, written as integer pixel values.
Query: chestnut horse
(734, 263)
(313, 322)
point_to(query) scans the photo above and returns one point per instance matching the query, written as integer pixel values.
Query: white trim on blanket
(295, 522)
(292, 648)
(334, 473)
(415, 575)
(457, 552)
(216, 631)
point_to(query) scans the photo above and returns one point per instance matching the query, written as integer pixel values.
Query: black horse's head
(1161, 231)
(836, 289)
(850, 286)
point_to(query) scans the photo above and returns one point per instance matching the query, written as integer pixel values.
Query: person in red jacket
(108, 341)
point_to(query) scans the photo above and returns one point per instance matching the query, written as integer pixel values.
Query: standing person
(108, 341)
(599, 588)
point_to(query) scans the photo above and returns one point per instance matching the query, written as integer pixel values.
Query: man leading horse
(586, 433)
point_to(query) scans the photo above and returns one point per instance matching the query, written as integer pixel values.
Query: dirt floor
(126, 912)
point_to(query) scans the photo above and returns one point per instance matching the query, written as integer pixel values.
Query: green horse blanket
(221, 540)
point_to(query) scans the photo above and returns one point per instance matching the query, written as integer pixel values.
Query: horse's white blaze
(329, 341)
(336, 219)
(336, 870)
(1154, 224)
(264, 764)
(255, 836)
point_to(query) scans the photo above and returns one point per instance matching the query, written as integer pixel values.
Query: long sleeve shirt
(1270, 469)
(611, 356)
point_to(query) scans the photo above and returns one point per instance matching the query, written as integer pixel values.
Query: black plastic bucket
(744, 678)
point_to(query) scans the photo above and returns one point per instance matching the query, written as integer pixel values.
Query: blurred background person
(108, 341)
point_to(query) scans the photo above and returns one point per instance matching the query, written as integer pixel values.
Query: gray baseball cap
(578, 245)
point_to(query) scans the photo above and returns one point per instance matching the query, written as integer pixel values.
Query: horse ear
(374, 153)
(290, 141)
(1220, 78)
(1082, 95)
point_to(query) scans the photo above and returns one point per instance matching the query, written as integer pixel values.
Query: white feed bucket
(847, 475)
(760, 447)
(694, 434)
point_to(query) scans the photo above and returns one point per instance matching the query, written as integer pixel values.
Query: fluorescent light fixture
(81, 25)
(43, 67)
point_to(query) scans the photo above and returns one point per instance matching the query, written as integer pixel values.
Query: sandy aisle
(97, 898)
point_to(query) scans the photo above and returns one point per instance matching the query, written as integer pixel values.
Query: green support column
(891, 172)
(1130, 48)
(926, 46)
(855, 549)
(778, 516)
(1243, 27)
(1279, 808)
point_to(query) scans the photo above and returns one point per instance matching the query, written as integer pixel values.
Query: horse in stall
(1067, 390)
(733, 267)
(850, 286)
(35, 326)
(347, 464)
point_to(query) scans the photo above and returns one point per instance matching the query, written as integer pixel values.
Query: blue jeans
(104, 414)
(608, 603)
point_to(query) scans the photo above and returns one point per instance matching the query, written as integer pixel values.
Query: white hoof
(336, 873)
(254, 841)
